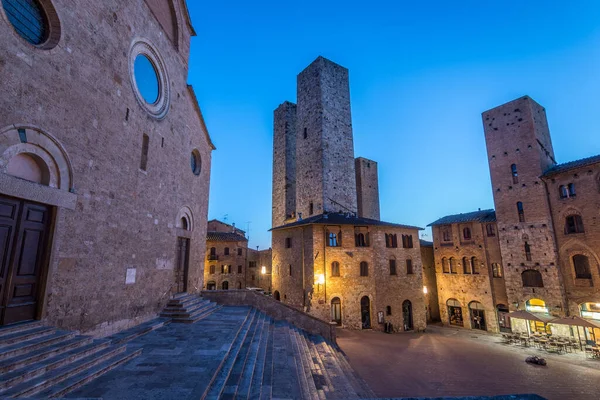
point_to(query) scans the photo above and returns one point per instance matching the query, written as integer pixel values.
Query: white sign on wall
(130, 277)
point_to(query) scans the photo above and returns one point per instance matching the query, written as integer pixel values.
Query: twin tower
(314, 169)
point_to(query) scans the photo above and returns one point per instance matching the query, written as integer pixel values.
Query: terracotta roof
(341, 219)
(558, 168)
(475, 216)
(224, 237)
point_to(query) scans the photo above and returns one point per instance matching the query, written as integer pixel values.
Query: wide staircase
(273, 359)
(40, 361)
(188, 308)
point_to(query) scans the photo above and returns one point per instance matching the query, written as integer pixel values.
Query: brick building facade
(230, 264)
(548, 229)
(332, 256)
(104, 164)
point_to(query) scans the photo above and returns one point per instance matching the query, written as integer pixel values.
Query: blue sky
(420, 77)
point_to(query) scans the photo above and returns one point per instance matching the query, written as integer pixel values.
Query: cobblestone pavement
(452, 362)
(170, 366)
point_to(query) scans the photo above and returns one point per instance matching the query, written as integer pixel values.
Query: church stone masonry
(100, 176)
(332, 256)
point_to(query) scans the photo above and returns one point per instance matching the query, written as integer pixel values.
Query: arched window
(361, 240)
(211, 285)
(446, 234)
(514, 173)
(445, 267)
(409, 267)
(521, 211)
(466, 265)
(467, 233)
(573, 224)
(407, 241)
(388, 310)
(226, 251)
(527, 251)
(213, 253)
(336, 310)
(212, 269)
(532, 278)
(333, 240)
(571, 188)
(225, 285)
(184, 224)
(582, 267)
(335, 268)
(489, 228)
(474, 265)
(393, 266)
(453, 269)
(364, 268)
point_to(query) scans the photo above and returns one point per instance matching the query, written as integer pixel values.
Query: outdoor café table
(543, 342)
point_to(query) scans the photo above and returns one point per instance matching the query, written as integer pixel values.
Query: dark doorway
(407, 316)
(225, 285)
(211, 285)
(454, 312)
(365, 312)
(276, 295)
(336, 311)
(24, 231)
(183, 264)
(477, 316)
(503, 319)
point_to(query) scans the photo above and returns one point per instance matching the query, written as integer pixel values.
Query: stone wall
(284, 163)
(234, 265)
(517, 133)
(302, 289)
(367, 188)
(429, 282)
(585, 203)
(274, 309)
(125, 220)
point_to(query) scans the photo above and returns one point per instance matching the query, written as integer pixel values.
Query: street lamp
(320, 281)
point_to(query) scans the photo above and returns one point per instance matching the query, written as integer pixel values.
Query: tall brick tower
(284, 163)
(325, 178)
(519, 151)
(367, 188)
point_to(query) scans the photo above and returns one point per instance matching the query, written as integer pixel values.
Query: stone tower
(519, 151)
(284, 163)
(367, 188)
(325, 178)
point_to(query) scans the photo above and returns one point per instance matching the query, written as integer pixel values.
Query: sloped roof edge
(199, 111)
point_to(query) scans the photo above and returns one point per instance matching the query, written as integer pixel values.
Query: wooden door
(23, 247)
(183, 261)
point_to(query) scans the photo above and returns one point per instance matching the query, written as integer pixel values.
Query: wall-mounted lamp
(516, 304)
(425, 289)
(320, 281)
(263, 270)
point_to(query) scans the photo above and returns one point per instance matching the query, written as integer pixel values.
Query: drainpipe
(303, 274)
(325, 264)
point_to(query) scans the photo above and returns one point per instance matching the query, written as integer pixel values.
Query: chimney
(299, 216)
(233, 227)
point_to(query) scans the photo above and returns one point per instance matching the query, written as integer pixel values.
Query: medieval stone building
(104, 162)
(332, 256)
(230, 264)
(547, 223)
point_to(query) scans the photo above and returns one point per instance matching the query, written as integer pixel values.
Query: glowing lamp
(425, 289)
(263, 270)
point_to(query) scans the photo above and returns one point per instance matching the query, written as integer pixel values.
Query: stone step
(198, 316)
(27, 334)
(257, 378)
(184, 312)
(34, 344)
(266, 388)
(139, 330)
(217, 383)
(200, 302)
(341, 386)
(45, 381)
(360, 386)
(320, 376)
(29, 372)
(20, 361)
(305, 375)
(244, 359)
(182, 295)
(189, 301)
(286, 382)
(74, 382)
(243, 390)
(21, 326)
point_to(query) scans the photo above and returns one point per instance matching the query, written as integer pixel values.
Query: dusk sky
(421, 74)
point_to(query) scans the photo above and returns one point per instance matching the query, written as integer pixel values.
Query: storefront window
(536, 305)
(590, 310)
(454, 312)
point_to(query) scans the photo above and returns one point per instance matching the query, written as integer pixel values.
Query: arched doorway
(336, 310)
(477, 316)
(211, 285)
(225, 285)
(276, 296)
(503, 320)
(455, 316)
(536, 305)
(407, 315)
(365, 312)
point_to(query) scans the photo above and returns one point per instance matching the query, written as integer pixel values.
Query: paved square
(449, 362)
